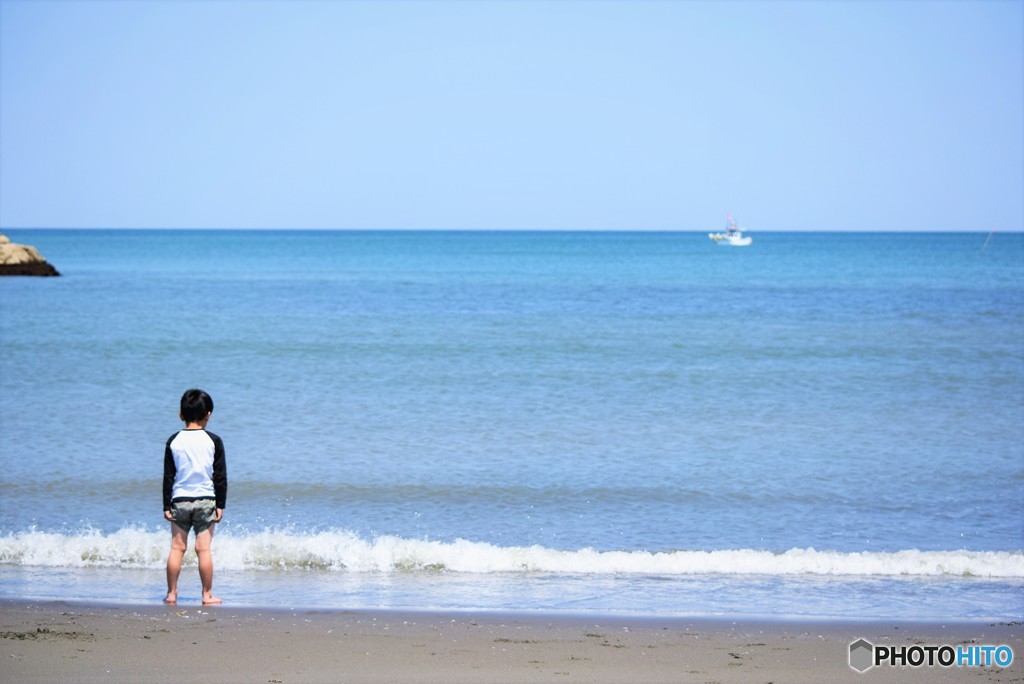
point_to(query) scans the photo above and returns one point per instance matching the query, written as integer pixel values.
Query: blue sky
(513, 115)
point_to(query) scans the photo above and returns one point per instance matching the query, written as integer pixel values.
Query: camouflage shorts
(199, 514)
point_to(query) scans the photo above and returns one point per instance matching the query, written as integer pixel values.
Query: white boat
(732, 236)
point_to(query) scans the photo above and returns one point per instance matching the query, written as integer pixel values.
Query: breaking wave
(347, 552)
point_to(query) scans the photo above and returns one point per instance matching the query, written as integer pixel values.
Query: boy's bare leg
(179, 542)
(203, 541)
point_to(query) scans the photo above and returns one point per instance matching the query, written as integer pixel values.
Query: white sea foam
(348, 552)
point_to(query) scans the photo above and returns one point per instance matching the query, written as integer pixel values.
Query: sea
(818, 426)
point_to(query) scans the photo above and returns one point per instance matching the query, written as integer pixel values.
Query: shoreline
(639, 619)
(87, 641)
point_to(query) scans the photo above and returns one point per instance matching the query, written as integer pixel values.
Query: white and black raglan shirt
(194, 468)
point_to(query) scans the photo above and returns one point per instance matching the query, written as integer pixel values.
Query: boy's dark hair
(195, 405)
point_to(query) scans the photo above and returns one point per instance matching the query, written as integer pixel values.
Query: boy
(195, 491)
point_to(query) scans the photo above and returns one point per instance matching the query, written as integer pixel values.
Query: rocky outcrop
(18, 259)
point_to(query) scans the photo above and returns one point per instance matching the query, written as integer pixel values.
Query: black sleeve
(170, 470)
(220, 474)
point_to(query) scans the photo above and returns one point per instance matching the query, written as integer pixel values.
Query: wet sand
(68, 642)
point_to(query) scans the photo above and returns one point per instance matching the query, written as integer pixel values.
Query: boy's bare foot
(171, 598)
(212, 600)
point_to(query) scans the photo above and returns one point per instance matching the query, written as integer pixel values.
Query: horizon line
(518, 230)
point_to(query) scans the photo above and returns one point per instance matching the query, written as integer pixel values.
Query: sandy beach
(62, 642)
